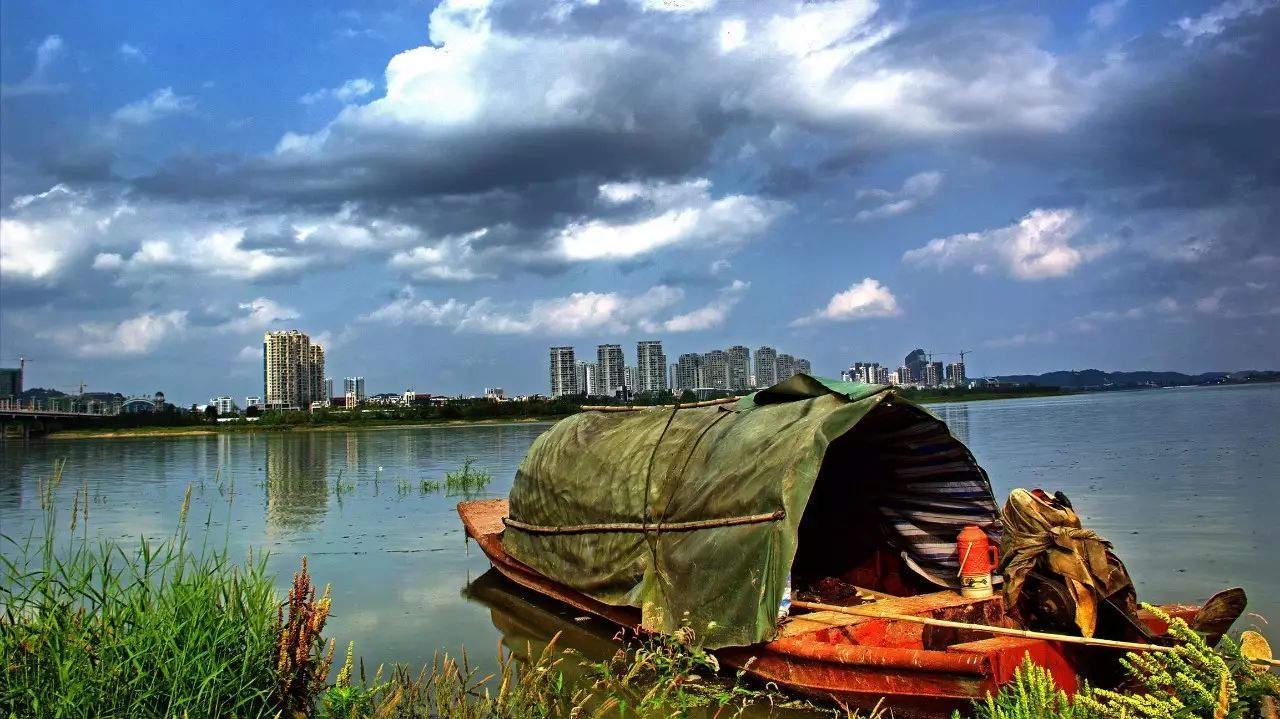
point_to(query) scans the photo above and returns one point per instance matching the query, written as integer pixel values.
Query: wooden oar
(870, 611)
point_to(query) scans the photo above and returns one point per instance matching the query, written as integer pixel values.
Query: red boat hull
(860, 662)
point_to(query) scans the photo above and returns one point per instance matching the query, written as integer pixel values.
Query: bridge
(41, 417)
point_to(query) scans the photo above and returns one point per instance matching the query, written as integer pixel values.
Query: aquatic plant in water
(97, 628)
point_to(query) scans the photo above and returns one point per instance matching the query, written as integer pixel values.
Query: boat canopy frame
(695, 515)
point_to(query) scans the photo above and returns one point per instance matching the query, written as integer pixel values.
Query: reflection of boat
(663, 516)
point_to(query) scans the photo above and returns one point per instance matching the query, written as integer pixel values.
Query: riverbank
(257, 428)
(922, 396)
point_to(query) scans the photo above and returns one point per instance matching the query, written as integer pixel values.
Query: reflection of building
(956, 415)
(297, 485)
(766, 367)
(563, 372)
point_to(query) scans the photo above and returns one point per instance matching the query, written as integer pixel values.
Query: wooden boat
(856, 660)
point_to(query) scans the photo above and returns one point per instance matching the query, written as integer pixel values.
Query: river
(1185, 482)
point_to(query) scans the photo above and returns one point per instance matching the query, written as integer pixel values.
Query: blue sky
(440, 192)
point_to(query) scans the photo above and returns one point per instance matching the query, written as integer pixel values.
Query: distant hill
(1096, 378)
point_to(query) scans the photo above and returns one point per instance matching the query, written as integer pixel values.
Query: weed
(467, 480)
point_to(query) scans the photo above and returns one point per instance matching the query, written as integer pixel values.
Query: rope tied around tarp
(647, 527)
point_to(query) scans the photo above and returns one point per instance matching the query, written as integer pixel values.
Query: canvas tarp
(692, 514)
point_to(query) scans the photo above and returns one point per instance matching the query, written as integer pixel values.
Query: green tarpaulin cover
(692, 515)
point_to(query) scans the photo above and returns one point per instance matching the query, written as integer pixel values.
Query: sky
(437, 193)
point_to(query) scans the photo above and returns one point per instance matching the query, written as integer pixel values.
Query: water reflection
(956, 415)
(297, 485)
(529, 621)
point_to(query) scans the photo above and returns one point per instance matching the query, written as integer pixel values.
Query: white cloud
(138, 335)
(677, 214)
(1038, 246)
(1022, 339)
(260, 314)
(915, 190)
(158, 105)
(1104, 14)
(1214, 20)
(132, 52)
(1163, 307)
(678, 5)
(249, 353)
(711, 315)
(1249, 299)
(43, 234)
(346, 92)
(575, 314)
(38, 83)
(214, 253)
(863, 300)
(733, 34)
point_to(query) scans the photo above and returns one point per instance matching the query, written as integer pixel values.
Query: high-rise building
(915, 362)
(252, 401)
(328, 388)
(612, 368)
(564, 372)
(673, 377)
(932, 374)
(287, 377)
(802, 366)
(766, 367)
(739, 358)
(882, 375)
(10, 382)
(905, 376)
(689, 370)
(955, 374)
(318, 392)
(651, 363)
(588, 373)
(353, 387)
(786, 365)
(226, 406)
(715, 369)
(629, 376)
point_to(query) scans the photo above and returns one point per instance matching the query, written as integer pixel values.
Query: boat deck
(919, 670)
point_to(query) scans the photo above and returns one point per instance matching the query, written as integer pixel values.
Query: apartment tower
(766, 367)
(613, 368)
(651, 366)
(739, 358)
(564, 372)
(288, 381)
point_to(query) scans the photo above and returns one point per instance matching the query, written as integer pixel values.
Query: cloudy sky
(440, 192)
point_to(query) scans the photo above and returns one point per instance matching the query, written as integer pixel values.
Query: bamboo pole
(870, 611)
(615, 408)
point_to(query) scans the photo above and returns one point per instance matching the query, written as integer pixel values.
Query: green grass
(91, 628)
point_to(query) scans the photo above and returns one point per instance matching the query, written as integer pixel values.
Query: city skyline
(443, 190)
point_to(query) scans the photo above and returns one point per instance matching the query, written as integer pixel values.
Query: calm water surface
(1185, 482)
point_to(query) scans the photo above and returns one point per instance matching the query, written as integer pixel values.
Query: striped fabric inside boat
(935, 488)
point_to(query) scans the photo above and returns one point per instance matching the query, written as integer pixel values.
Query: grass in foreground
(92, 628)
